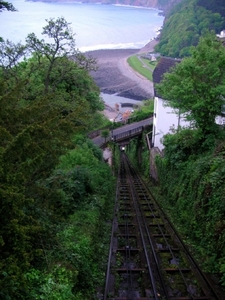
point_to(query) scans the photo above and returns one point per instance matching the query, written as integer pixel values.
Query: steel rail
(161, 289)
(173, 256)
(128, 254)
(130, 283)
(205, 284)
(107, 281)
(140, 186)
(142, 235)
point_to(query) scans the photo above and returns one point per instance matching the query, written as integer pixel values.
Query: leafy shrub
(193, 191)
(145, 111)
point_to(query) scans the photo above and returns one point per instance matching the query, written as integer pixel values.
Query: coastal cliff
(164, 5)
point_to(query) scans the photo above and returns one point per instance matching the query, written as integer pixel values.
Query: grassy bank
(143, 66)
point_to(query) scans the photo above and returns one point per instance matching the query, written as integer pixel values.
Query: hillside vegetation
(186, 23)
(165, 5)
(192, 171)
(55, 190)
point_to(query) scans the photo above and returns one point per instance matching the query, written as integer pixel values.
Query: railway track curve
(147, 259)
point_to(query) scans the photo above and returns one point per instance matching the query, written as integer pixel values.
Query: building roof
(163, 66)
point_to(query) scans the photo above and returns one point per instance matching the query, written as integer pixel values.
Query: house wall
(220, 120)
(163, 120)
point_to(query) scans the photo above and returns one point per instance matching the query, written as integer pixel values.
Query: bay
(96, 26)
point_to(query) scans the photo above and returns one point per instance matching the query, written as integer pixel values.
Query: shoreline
(115, 76)
(99, 3)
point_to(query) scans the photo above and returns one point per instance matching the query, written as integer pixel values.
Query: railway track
(147, 259)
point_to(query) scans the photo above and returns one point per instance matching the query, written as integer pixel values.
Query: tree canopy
(185, 24)
(6, 6)
(47, 98)
(196, 86)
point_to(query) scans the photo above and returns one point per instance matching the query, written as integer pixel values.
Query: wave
(136, 45)
(104, 27)
(136, 6)
(130, 45)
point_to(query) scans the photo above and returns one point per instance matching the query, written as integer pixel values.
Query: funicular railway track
(147, 259)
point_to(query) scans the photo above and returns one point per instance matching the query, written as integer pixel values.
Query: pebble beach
(115, 76)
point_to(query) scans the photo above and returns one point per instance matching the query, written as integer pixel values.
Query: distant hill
(164, 5)
(185, 21)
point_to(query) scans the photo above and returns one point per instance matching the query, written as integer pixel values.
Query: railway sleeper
(130, 271)
(165, 274)
(134, 298)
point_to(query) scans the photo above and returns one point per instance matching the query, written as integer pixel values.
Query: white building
(164, 118)
(222, 34)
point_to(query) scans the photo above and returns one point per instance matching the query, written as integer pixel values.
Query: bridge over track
(125, 133)
(128, 134)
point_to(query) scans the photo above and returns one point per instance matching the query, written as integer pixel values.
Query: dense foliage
(196, 86)
(216, 6)
(192, 171)
(191, 192)
(143, 112)
(192, 184)
(6, 6)
(186, 23)
(55, 189)
(138, 153)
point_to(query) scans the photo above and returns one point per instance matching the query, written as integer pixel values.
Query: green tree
(183, 27)
(37, 127)
(10, 55)
(33, 136)
(71, 85)
(63, 45)
(56, 69)
(6, 6)
(105, 134)
(196, 86)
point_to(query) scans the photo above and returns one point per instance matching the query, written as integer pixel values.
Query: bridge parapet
(128, 134)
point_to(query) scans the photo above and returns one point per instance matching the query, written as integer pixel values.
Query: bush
(193, 186)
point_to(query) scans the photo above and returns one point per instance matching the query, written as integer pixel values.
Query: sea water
(96, 26)
(121, 103)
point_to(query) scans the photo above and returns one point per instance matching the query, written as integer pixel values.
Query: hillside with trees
(56, 192)
(55, 189)
(164, 5)
(186, 23)
(192, 171)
